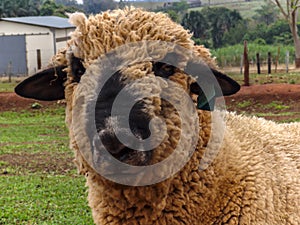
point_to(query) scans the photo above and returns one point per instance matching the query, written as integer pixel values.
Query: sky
(79, 1)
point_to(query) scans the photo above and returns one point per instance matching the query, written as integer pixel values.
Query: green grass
(7, 87)
(42, 187)
(231, 55)
(246, 9)
(274, 116)
(33, 131)
(280, 77)
(276, 105)
(43, 200)
(244, 104)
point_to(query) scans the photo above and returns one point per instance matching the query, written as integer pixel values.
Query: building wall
(37, 38)
(13, 55)
(9, 28)
(35, 42)
(61, 34)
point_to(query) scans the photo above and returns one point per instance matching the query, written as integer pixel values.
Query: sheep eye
(77, 68)
(163, 70)
(79, 72)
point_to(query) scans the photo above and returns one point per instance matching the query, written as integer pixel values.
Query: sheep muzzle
(111, 127)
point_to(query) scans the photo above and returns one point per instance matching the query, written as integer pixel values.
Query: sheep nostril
(111, 142)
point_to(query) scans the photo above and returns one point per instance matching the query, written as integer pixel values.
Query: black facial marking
(163, 70)
(77, 68)
(138, 123)
(195, 88)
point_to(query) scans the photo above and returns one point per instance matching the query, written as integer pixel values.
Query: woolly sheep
(254, 175)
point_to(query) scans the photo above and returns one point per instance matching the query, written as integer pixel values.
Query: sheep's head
(133, 96)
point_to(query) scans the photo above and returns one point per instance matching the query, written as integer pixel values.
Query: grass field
(7, 87)
(38, 181)
(264, 78)
(231, 55)
(246, 9)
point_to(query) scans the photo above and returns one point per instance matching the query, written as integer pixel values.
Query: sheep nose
(116, 136)
(111, 142)
(126, 152)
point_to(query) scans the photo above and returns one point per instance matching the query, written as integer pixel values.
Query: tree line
(18, 8)
(215, 27)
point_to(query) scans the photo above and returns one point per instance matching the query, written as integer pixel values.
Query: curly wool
(256, 167)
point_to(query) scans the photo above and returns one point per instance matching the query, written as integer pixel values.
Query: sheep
(242, 171)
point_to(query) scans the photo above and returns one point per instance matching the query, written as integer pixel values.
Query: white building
(28, 43)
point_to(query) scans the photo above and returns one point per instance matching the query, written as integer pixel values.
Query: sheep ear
(47, 85)
(210, 90)
(228, 85)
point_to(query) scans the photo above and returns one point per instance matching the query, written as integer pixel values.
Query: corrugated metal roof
(45, 21)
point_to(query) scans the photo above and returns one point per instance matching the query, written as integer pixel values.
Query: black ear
(47, 85)
(207, 88)
(227, 85)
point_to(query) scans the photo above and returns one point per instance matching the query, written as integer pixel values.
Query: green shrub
(231, 55)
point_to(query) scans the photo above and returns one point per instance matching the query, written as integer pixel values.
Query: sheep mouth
(133, 157)
(123, 153)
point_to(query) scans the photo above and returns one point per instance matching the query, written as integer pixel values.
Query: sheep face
(140, 112)
(132, 99)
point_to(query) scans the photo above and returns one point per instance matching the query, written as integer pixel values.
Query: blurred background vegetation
(222, 27)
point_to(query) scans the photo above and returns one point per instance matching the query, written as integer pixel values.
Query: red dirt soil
(12, 102)
(291, 90)
(261, 96)
(265, 93)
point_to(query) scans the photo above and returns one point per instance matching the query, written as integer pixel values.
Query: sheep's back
(268, 154)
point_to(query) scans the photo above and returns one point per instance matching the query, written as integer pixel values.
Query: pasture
(38, 180)
(246, 9)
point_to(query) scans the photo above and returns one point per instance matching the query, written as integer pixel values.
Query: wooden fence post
(241, 64)
(277, 59)
(39, 60)
(246, 65)
(269, 62)
(258, 63)
(287, 60)
(9, 71)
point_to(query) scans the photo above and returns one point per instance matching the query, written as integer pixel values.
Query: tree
(267, 14)
(51, 8)
(259, 31)
(196, 23)
(96, 6)
(180, 8)
(236, 34)
(16, 8)
(48, 8)
(67, 2)
(291, 15)
(174, 16)
(221, 20)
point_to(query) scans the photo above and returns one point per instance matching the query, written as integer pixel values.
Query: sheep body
(254, 178)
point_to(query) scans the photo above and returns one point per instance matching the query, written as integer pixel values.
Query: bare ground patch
(25, 163)
(279, 102)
